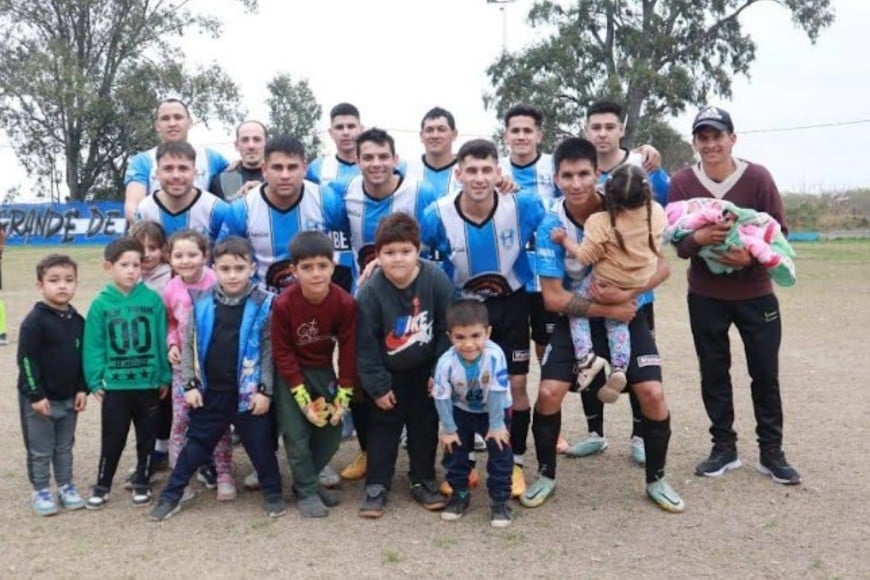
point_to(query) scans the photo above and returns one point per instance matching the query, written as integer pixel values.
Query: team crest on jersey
(508, 238)
(415, 328)
(487, 286)
(485, 378)
(279, 275)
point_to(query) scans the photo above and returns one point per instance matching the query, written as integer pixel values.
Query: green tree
(654, 56)
(294, 110)
(79, 81)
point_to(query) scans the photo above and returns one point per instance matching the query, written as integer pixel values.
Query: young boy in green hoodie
(125, 366)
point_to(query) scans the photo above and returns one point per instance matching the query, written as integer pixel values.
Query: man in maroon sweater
(308, 318)
(743, 298)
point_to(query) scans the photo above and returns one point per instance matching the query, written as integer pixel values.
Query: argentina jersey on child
(364, 212)
(468, 385)
(271, 229)
(205, 214)
(485, 259)
(143, 168)
(443, 180)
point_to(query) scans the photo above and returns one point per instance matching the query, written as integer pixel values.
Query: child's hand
(430, 386)
(500, 436)
(193, 398)
(162, 392)
(558, 236)
(386, 402)
(260, 404)
(43, 407)
(81, 402)
(340, 404)
(448, 441)
(368, 271)
(98, 395)
(174, 355)
(316, 411)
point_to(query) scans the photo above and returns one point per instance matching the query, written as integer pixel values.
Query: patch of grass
(834, 250)
(512, 538)
(445, 543)
(391, 556)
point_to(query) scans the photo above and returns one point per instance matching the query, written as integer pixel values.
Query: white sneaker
(328, 477)
(69, 497)
(479, 443)
(42, 503)
(251, 482)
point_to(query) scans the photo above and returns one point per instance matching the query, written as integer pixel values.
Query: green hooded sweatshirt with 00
(125, 340)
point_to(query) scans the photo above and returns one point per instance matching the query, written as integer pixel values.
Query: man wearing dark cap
(743, 298)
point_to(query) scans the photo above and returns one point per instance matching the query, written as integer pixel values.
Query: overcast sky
(395, 59)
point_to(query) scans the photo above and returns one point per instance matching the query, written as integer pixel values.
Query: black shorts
(559, 363)
(509, 318)
(649, 313)
(541, 320)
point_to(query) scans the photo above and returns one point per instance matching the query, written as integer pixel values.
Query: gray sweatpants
(49, 442)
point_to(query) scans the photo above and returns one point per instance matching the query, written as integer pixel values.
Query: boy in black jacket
(51, 384)
(401, 333)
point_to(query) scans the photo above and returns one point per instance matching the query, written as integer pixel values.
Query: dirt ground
(599, 524)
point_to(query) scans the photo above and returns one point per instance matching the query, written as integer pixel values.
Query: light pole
(501, 9)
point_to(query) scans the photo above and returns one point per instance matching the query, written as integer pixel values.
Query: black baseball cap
(714, 117)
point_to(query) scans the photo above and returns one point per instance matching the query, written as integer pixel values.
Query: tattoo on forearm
(578, 306)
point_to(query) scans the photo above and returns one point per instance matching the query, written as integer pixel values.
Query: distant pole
(504, 26)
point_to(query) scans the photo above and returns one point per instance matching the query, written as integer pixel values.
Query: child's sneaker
(357, 468)
(99, 498)
(69, 497)
(43, 503)
(207, 476)
(479, 442)
(252, 481)
(4, 340)
(374, 502)
(164, 510)
(614, 386)
(226, 487)
(500, 515)
(141, 496)
(457, 506)
(588, 370)
(275, 506)
(328, 477)
(426, 494)
(312, 507)
(329, 497)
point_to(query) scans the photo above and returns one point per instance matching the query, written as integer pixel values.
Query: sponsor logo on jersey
(649, 360)
(488, 286)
